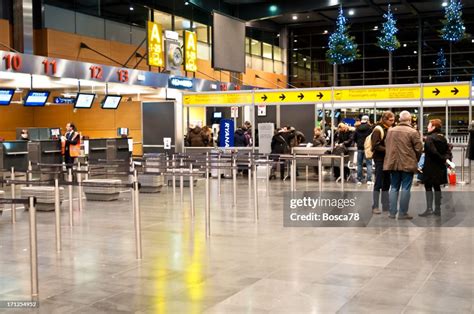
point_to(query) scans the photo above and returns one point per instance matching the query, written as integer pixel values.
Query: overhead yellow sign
(217, 99)
(190, 51)
(155, 44)
(290, 97)
(446, 91)
(376, 94)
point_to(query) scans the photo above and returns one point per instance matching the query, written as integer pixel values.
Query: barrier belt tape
(21, 201)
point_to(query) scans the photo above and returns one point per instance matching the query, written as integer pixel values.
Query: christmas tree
(441, 63)
(388, 40)
(342, 48)
(453, 26)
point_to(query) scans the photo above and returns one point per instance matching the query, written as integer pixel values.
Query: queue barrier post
(173, 164)
(342, 172)
(13, 194)
(33, 248)
(137, 215)
(250, 172)
(79, 187)
(191, 190)
(255, 191)
(57, 212)
(234, 179)
(219, 173)
(267, 179)
(69, 178)
(30, 173)
(208, 200)
(320, 173)
(181, 179)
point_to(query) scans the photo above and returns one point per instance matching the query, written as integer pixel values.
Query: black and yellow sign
(377, 93)
(215, 99)
(190, 51)
(439, 91)
(293, 97)
(155, 44)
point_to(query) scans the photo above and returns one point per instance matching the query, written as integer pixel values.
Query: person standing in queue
(382, 178)
(362, 131)
(70, 144)
(403, 148)
(435, 174)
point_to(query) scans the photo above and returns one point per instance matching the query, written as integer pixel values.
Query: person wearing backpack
(377, 153)
(361, 133)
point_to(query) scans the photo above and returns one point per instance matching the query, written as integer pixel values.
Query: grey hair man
(403, 148)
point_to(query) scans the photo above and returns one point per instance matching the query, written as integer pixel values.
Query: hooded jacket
(360, 134)
(240, 139)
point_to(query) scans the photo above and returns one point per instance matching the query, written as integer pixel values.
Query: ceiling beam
(375, 6)
(410, 7)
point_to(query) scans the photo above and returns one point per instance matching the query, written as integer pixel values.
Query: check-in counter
(14, 154)
(109, 149)
(45, 152)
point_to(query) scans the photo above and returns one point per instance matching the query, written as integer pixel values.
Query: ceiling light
(278, 35)
(273, 8)
(307, 16)
(325, 31)
(295, 41)
(186, 2)
(131, 8)
(351, 12)
(409, 68)
(295, 62)
(415, 52)
(376, 27)
(472, 40)
(294, 17)
(304, 59)
(444, 4)
(295, 49)
(404, 45)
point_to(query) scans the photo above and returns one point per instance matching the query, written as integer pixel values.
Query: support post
(69, 177)
(208, 200)
(33, 248)
(137, 216)
(191, 190)
(181, 179)
(342, 172)
(57, 212)
(13, 193)
(234, 179)
(79, 186)
(255, 191)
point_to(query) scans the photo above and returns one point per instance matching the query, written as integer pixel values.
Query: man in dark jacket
(362, 131)
(281, 145)
(196, 138)
(240, 139)
(403, 149)
(382, 178)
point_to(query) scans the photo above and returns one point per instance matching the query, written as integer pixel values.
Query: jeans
(381, 185)
(403, 180)
(360, 163)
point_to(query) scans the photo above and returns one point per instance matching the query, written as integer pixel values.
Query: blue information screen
(6, 96)
(36, 99)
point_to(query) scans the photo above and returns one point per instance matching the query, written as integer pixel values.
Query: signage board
(293, 97)
(234, 112)
(180, 83)
(216, 99)
(167, 143)
(155, 44)
(226, 136)
(265, 135)
(440, 91)
(378, 94)
(261, 111)
(190, 51)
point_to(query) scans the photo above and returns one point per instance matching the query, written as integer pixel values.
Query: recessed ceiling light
(278, 35)
(415, 52)
(444, 4)
(294, 17)
(404, 45)
(186, 2)
(295, 62)
(351, 12)
(325, 31)
(295, 49)
(273, 8)
(295, 41)
(376, 27)
(131, 8)
(472, 40)
(307, 16)
(304, 59)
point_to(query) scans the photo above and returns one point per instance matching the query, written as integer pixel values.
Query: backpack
(368, 148)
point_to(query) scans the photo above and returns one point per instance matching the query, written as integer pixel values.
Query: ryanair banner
(226, 133)
(190, 51)
(155, 44)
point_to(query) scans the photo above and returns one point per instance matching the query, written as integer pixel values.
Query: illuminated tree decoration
(342, 47)
(441, 63)
(453, 26)
(388, 41)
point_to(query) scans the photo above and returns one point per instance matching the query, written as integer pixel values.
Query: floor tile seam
(103, 299)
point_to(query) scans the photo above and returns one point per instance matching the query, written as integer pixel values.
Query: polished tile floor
(245, 267)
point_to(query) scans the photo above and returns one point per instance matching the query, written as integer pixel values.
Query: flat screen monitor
(122, 131)
(55, 133)
(36, 98)
(111, 102)
(217, 115)
(228, 38)
(84, 101)
(6, 96)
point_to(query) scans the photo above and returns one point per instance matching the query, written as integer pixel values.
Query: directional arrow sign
(307, 96)
(450, 91)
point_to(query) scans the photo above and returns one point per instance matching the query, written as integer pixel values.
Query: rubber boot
(429, 205)
(437, 200)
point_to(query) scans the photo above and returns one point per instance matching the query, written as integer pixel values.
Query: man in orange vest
(70, 144)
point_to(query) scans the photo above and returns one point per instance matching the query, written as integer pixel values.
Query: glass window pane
(247, 45)
(257, 63)
(268, 65)
(256, 48)
(248, 61)
(278, 67)
(203, 51)
(277, 55)
(181, 24)
(162, 18)
(267, 51)
(201, 31)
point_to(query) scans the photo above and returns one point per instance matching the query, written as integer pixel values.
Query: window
(256, 47)
(267, 51)
(162, 18)
(201, 31)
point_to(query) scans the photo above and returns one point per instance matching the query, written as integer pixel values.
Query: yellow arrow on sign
(446, 91)
(290, 97)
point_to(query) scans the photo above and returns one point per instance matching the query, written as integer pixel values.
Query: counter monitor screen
(122, 131)
(36, 98)
(55, 133)
(111, 102)
(84, 101)
(217, 115)
(6, 96)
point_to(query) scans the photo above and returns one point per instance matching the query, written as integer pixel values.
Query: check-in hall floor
(244, 267)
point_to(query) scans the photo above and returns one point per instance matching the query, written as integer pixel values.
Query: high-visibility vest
(74, 150)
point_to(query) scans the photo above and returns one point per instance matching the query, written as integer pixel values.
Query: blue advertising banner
(226, 136)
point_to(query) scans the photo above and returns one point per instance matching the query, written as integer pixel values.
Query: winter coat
(378, 142)
(436, 153)
(197, 138)
(470, 146)
(240, 139)
(360, 134)
(279, 144)
(403, 148)
(345, 138)
(319, 141)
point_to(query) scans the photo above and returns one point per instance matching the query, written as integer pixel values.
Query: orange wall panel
(12, 117)
(5, 34)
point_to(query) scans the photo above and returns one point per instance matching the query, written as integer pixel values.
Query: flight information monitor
(111, 102)
(36, 98)
(6, 96)
(84, 101)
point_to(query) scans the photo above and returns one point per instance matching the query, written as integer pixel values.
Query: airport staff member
(70, 144)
